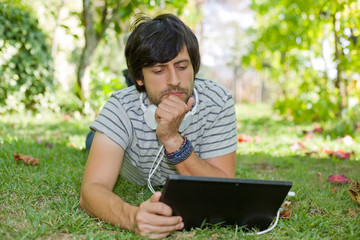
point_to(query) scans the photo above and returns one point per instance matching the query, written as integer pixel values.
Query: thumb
(190, 103)
(156, 197)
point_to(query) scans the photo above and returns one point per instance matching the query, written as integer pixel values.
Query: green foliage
(103, 86)
(26, 67)
(311, 102)
(290, 35)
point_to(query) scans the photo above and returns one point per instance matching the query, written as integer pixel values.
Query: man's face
(175, 77)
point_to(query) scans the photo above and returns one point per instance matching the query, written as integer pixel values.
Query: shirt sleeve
(114, 122)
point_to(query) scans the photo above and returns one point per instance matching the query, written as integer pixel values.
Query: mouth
(178, 94)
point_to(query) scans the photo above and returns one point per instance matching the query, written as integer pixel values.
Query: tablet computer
(201, 201)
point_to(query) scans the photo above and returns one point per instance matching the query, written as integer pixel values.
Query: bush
(26, 66)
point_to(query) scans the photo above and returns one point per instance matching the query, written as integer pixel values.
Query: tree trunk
(91, 42)
(92, 39)
(83, 73)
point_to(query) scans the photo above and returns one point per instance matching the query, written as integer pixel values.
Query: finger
(154, 206)
(156, 197)
(150, 228)
(172, 106)
(190, 103)
(161, 221)
(158, 208)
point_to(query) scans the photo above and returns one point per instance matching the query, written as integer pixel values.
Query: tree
(26, 67)
(290, 38)
(97, 17)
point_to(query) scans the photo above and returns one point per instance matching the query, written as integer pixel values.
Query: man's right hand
(154, 219)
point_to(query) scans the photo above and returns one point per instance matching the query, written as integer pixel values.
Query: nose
(173, 78)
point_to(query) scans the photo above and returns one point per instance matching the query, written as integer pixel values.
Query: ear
(140, 82)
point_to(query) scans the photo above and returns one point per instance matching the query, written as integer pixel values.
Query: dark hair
(158, 40)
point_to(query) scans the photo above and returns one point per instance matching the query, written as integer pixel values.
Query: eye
(182, 67)
(157, 71)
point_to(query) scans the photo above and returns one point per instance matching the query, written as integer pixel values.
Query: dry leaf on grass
(319, 176)
(354, 191)
(66, 117)
(297, 146)
(72, 144)
(352, 212)
(26, 158)
(311, 153)
(338, 178)
(286, 212)
(244, 138)
(340, 154)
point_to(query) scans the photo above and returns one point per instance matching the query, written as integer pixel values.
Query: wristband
(180, 155)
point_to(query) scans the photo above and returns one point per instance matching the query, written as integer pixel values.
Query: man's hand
(169, 115)
(154, 219)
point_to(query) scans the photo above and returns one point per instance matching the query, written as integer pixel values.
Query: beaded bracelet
(180, 155)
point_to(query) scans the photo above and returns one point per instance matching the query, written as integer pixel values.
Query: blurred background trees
(300, 56)
(310, 49)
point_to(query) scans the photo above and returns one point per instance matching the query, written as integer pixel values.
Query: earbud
(149, 114)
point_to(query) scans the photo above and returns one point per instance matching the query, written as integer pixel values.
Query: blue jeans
(89, 139)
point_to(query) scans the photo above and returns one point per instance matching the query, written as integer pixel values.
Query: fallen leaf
(318, 129)
(49, 145)
(26, 158)
(72, 144)
(338, 178)
(334, 190)
(319, 177)
(340, 154)
(354, 190)
(244, 138)
(325, 149)
(285, 214)
(311, 153)
(66, 117)
(297, 146)
(314, 211)
(352, 212)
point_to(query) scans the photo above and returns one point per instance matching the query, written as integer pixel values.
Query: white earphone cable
(151, 172)
(270, 228)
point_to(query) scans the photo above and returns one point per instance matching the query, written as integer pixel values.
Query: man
(163, 58)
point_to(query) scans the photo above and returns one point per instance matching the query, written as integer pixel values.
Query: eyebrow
(177, 62)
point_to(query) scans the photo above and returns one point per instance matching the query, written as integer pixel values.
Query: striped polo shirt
(212, 130)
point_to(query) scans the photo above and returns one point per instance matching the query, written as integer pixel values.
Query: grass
(41, 201)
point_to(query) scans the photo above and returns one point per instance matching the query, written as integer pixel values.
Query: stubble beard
(156, 99)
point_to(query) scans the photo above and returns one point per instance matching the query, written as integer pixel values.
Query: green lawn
(41, 201)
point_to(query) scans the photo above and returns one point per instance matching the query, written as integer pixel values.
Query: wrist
(174, 143)
(180, 155)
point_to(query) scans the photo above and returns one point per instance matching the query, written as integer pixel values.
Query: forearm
(196, 166)
(221, 166)
(101, 203)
